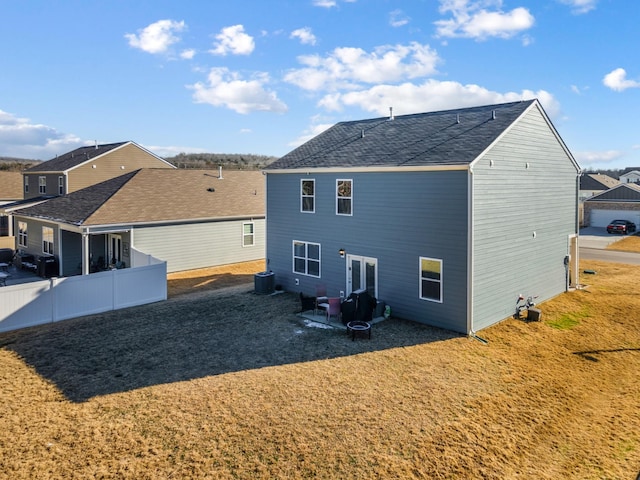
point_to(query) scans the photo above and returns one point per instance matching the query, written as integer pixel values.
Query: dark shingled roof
(76, 207)
(74, 158)
(447, 138)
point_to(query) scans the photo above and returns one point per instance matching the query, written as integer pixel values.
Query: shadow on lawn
(188, 338)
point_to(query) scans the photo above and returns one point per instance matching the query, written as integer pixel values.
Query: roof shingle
(450, 137)
(74, 158)
(159, 195)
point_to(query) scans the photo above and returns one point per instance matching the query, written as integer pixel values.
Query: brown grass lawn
(227, 384)
(627, 244)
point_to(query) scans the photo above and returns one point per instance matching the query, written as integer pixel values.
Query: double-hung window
(431, 279)
(42, 185)
(306, 258)
(248, 235)
(60, 185)
(47, 240)
(308, 196)
(22, 234)
(26, 184)
(344, 197)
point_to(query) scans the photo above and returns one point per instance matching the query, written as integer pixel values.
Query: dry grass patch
(229, 384)
(627, 244)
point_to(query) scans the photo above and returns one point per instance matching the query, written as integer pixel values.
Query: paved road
(593, 244)
(609, 256)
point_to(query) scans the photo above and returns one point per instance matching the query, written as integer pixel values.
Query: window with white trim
(344, 197)
(431, 279)
(248, 235)
(22, 234)
(306, 258)
(47, 240)
(308, 195)
(26, 184)
(42, 184)
(60, 185)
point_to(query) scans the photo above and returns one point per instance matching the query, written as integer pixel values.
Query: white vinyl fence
(55, 299)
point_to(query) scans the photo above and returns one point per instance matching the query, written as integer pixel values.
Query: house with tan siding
(87, 166)
(189, 218)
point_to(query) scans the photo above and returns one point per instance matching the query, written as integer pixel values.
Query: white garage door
(602, 218)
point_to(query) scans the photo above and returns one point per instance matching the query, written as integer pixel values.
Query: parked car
(621, 226)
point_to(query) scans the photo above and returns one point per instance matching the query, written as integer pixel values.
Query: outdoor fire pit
(358, 327)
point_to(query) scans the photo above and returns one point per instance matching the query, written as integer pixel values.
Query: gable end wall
(525, 191)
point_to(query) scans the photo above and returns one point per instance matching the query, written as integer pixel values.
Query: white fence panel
(25, 305)
(148, 282)
(83, 295)
(46, 301)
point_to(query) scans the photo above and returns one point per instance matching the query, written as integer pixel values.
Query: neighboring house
(632, 176)
(10, 191)
(447, 216)
(621, 202)
(591, 184)
(594, 183)
(189, 218)
(87, 166)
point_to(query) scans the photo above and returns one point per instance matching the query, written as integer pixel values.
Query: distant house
(631, 176)
(621, 202)
(447, 216)
(189, 218)
(593, 183)
(10, 191)
(87, 166)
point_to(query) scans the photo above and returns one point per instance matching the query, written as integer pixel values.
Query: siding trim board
(373, 169)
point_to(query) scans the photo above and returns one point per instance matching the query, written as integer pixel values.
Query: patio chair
(321, 296)
(333, 308)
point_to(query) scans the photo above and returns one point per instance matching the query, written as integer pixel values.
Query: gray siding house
(448, 217)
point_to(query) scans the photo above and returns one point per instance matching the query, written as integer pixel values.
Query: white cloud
(188, 54)
(329, 3)
(594, 157)
(233, 40)
(21, 138)
(312, 131)
(470, 19)
(431, 95)
(579, 7)
(324, 3)
(397, 18)
(617, 80)
(305, 35)
(157, 37)
(347, 67)
(225, 88)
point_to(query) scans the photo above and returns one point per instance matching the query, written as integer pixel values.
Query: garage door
(602, 218)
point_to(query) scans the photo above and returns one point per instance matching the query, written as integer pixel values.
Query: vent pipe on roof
(390, 113)
(362, 133)
(96, 141)
(457, 118)
(493, 114)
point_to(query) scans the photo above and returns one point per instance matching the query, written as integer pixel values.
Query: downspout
(470, 261)
(576, 261)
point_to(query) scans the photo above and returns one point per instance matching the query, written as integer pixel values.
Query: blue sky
(263, 76)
